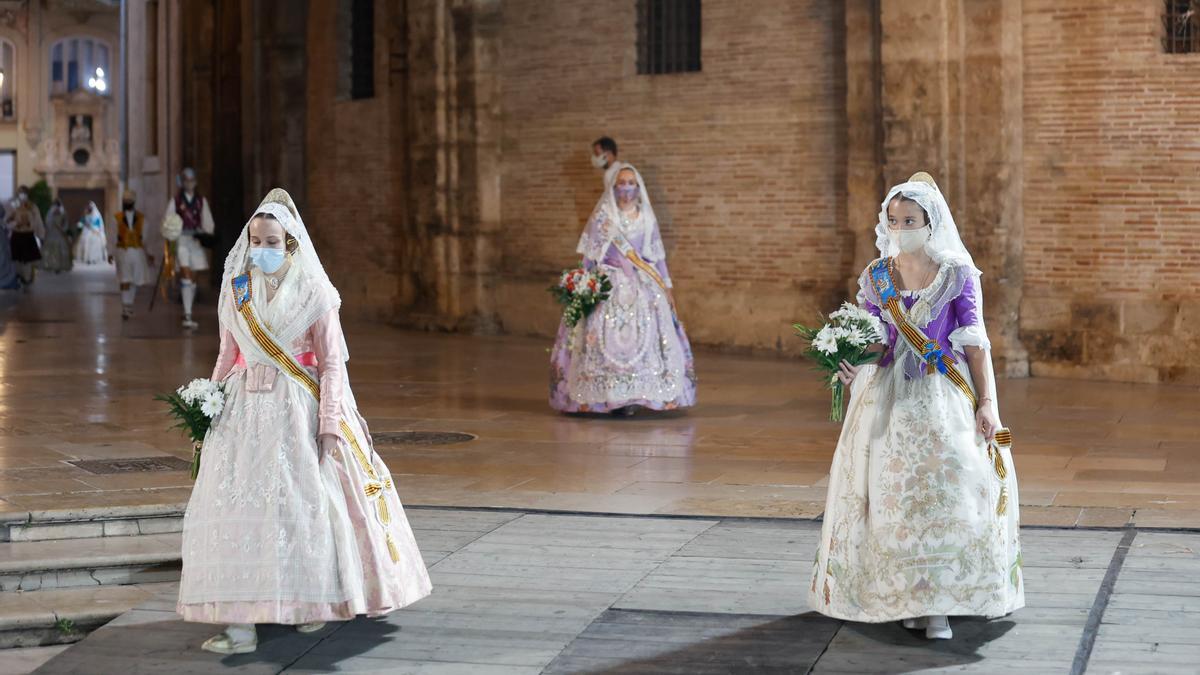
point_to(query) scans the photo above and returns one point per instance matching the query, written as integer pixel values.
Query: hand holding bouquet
(194, 406)
(580, 291)
(847, 336)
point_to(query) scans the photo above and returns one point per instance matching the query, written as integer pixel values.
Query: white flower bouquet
(172, 227)
(847, 335)
(194, 406)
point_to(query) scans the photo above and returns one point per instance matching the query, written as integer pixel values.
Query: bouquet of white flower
(847, 335)
(172, 227)
(194, 406)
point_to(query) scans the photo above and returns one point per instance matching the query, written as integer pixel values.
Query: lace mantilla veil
(604, 224)
(314, 296)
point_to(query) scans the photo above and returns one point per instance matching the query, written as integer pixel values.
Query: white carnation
(213, 404)
(856, 337)
(845, 314)
(826, 340)
(188, 393)
(197, 390)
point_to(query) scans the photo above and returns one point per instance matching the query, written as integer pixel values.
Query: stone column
(993, 64)
(454, 166)
(949, 86)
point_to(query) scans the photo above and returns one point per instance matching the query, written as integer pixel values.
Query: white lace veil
(604, 224)
(944, 246)
(314, 295)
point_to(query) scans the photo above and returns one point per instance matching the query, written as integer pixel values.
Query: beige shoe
(918, 623)
(938, 628)
(311, 627)
(223, 644)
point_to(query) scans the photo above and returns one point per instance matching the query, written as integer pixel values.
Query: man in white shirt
(191, 257)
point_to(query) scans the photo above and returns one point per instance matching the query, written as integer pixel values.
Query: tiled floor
(76, 382)
(524, 593)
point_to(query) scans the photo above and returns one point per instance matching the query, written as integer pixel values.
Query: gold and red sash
(646, 267)
(931, 352)
(937, 359)
(375, 486)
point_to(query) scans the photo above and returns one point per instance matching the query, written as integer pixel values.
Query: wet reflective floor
(77, 383)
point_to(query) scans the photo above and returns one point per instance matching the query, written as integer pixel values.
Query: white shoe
(310, 627)
(918, 623)
(188, 323)
(939, 628)
(224, 644)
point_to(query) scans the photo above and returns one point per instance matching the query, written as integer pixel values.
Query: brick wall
(747, 165)
(744, 160)
(351, 202)
(1112, 194)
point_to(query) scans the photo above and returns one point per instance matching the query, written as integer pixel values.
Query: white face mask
(909, 240)
(600, 160)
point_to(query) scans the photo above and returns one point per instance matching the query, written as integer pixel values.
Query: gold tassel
(384, 516)
(392, 548)
(998, 462)
(372, 488)
(1002, 505)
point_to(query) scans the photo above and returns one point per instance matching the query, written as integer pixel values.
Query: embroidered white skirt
(911, 525)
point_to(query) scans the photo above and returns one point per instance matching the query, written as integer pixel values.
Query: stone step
(36, 566)
(67, 615)
(93, 522)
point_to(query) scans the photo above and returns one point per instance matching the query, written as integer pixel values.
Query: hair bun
(922, 177)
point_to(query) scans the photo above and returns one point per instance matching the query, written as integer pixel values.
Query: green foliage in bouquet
(194, 406)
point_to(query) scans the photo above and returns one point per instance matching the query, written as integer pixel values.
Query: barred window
(356, 49)
(668, 36)
(1181, 27)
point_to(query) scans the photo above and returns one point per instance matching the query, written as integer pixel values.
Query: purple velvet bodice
(954, 302)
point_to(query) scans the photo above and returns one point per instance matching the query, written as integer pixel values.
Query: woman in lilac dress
(631, 351)
(921, 518)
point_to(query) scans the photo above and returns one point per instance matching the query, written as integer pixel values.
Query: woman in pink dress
(294, 519)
